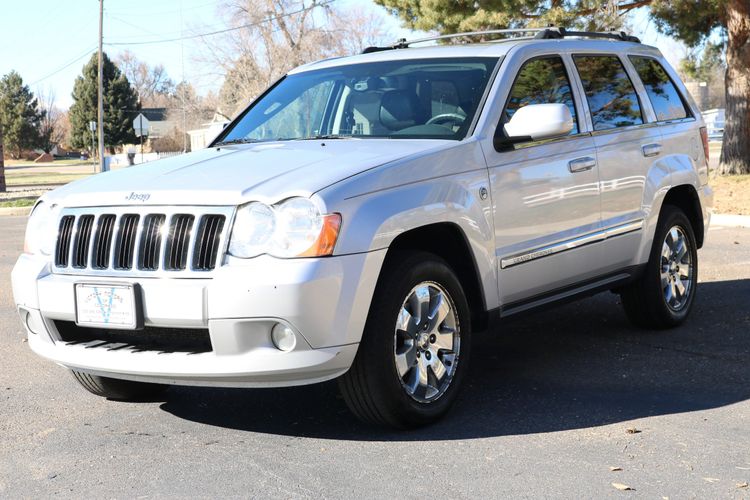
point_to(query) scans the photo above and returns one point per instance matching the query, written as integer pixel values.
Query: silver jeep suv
(366, 215)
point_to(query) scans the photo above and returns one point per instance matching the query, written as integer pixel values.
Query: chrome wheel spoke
(684, 272)
(405, 360)
(438, 368)
(440, 310)
(406, 322)
(681, 289)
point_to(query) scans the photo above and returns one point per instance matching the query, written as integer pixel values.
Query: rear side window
(609, 92)
(541, 81)
(664, 97)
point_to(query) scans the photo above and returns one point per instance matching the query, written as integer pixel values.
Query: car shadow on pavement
(577, 366)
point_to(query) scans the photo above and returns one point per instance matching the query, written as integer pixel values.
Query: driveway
(554, 402)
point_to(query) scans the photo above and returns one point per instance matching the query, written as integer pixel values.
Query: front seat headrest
(399, 109)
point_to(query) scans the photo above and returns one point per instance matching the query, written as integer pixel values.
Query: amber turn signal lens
(326, 241)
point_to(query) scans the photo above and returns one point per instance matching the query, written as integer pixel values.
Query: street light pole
(101, 89)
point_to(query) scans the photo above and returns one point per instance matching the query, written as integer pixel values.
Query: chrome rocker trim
(579, 241)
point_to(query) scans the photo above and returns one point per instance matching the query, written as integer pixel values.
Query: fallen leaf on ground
(615, 469)
(623, 487)
(742, 485)
(711, 479)
(632, 430)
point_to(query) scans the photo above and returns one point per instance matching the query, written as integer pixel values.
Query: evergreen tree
(120, 105)
(20, 116)
(691, 21)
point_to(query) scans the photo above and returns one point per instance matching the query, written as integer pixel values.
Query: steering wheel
(446, 118)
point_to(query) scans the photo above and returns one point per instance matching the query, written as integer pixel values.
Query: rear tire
(663, 295)
(117, 389)
(415, 347)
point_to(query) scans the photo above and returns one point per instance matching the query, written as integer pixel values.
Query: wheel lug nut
(418, 353)
(433, 338)
(427, 355)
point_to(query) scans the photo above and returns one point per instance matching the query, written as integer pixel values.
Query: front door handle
(651, 150)
(581, 164)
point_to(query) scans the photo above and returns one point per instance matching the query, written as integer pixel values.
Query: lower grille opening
(190, 340)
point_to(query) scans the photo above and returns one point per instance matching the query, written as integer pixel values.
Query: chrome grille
(125, 245)
(178, 241)
(82, 241)
(141, 241)
(150, 244)
(63, 240)
(209, 230)
(103, 244)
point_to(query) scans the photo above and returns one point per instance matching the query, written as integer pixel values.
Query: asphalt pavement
(562, 403)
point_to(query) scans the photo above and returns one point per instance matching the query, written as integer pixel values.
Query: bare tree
(272, 36)
(52, 127)
(151, 82)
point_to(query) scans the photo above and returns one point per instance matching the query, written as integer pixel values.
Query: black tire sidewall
(376, 348)
(670, 217)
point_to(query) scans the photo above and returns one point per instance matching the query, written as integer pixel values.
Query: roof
(154, 114)
(486, 49)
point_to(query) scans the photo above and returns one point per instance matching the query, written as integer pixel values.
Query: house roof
(155, 114)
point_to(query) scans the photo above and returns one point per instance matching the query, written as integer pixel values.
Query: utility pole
(100, 117)
(2, 164)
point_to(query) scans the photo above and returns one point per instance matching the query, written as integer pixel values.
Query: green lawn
(22, 202)
(13, 178)
(62, 163)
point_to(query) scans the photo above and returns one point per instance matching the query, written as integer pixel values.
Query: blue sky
(48, 41)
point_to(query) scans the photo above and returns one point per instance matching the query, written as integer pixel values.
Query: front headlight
(292, 228)
(41, 230)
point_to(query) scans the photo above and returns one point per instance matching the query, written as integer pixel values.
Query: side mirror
(533, 123)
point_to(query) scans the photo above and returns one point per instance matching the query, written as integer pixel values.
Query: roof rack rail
(555, 32)
(551, 32)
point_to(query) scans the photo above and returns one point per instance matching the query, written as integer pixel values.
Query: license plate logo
(105, 305)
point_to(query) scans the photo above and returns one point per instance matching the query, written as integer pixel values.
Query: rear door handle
(651, 150)
(581, 164)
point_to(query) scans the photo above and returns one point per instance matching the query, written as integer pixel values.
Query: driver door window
(541, 81)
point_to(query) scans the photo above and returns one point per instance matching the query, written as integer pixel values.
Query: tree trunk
(2, 164)
(735, 151)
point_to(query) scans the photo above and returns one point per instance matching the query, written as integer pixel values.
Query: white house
(200, 138)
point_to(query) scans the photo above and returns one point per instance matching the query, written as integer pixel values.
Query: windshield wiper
(322, 136)
(243, 140)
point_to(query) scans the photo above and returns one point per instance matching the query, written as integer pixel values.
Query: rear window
(609, 92)
(664, 97)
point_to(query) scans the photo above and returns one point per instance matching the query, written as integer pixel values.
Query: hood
(232, 175)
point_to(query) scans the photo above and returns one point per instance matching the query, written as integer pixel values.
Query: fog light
(283, 337)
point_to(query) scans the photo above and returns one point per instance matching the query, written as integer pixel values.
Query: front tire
(117, 389)
(415, 347)
(664, 294)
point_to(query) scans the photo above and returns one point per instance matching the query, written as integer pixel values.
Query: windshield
(417, 98)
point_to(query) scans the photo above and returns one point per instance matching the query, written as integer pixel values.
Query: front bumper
(325, 301)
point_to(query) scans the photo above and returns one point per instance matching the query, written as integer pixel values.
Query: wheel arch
(455, 250)
(685, 197)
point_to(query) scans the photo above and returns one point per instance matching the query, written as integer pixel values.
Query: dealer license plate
(111, 306)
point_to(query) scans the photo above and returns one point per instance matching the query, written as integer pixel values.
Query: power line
(66, 66)
(226, 30)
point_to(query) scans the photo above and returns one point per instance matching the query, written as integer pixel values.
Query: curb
(729, 220)
(15, 211)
